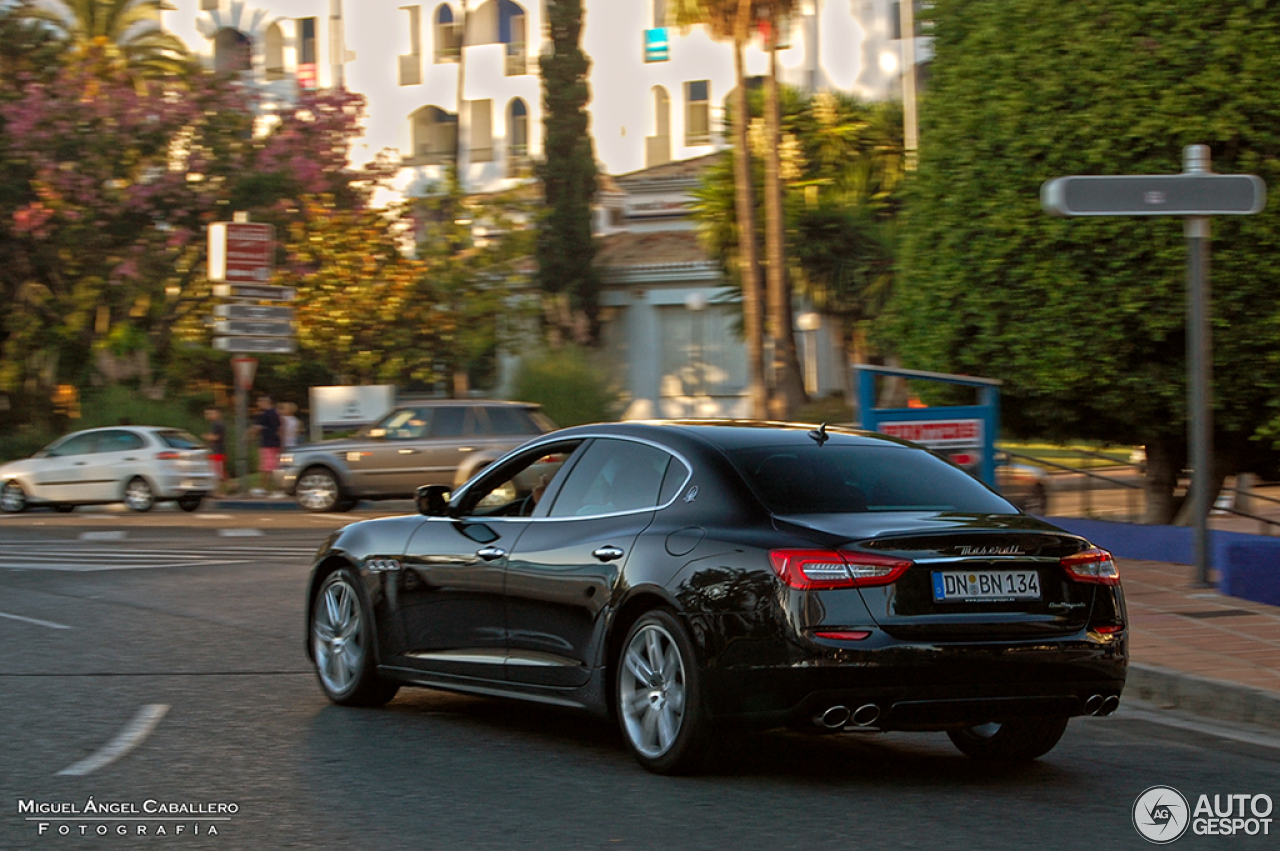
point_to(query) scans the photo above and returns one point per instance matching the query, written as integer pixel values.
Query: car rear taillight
(1109, 629)
(1092, 565)
(168, 455)
(844, 634)
(818, 569)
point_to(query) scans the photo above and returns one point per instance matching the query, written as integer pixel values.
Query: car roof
(729, 435)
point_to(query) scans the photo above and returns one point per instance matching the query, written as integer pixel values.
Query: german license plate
(965, 586)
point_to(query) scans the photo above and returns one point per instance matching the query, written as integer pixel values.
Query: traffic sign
(262, 345)
(244, 369)
(241, 252)
(262, 292)
(1187, 194)
(252, 328)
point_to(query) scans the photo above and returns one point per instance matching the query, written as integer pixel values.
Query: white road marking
(127, 739)
(239, 533)
(35, 621)
(102, 536)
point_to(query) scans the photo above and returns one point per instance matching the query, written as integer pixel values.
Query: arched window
(448, 36)
(232, 51)
(273, 50)
(435, 135)
(517, 138)
(657, 148)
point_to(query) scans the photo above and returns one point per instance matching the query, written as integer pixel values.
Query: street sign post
(252, 328)
(257, 345)
(241, 252)
(1195, 194)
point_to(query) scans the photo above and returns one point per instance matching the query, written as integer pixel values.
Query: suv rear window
(844, 479)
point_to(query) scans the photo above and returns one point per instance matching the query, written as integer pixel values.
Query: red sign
(307, 75)
(241, 252)
(936, 434)
(244, 368)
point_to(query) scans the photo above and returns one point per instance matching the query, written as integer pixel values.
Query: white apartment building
(657, 96)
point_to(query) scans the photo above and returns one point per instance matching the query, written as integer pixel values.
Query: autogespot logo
(1160, 814)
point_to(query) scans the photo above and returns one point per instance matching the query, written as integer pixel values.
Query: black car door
(563, 571)
(449, 594)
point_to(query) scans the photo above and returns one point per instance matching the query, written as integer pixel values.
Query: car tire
(1015, 740)
(138, 495)
(190, 503)
(13, 499)
(342, 644)
(658, 696)
(64, 508)
(346, 504)
(318, 490)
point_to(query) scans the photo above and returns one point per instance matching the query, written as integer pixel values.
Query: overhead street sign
(241, 252)
(261, 312)
(261, 345)
(252, 328)
(1187, 194)
(262, 292)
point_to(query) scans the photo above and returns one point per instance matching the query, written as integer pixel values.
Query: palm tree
(128, 30)
(731, 20)
(788, 390)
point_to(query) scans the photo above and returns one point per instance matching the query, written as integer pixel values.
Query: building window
(411, 62)
(697, 112)
(435, 136)
(659, 13)
(518, 139)
(700, 355)
(657, 148)
(232, 51)
(273, 53)
(448, 36)
(208, 5)
(481, 131)
(307, 72)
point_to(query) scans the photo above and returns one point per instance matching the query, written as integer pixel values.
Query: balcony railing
(517, 60)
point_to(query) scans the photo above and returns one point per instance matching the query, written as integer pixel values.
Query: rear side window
(121, 441)
(510, 421)
(845, 479)
(613, 476)
(178, 439)
(453, 422)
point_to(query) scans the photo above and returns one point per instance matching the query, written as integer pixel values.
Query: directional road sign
(262, 292)
(263, 345)
(261, 312)
(251, 328)
(241, 252)
(1193, 194)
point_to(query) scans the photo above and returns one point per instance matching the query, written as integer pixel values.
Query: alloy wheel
(12, 498)
(337, 637)
(652, 690)
(138, 495)
(318, 490)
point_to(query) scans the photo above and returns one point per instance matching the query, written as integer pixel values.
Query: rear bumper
(174, 485)
(925, 686)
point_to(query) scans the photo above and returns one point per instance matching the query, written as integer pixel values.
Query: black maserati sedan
(691, 577)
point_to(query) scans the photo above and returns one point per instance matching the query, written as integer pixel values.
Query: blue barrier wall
(1248, 565)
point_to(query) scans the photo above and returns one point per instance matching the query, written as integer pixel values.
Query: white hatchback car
(136, 465)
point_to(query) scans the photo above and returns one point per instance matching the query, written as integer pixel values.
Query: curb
(255, 504)
(1208, 698)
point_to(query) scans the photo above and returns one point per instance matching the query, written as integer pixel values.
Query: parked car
(136, 465)
(433, 442)
(685, 576)
(1025, 485)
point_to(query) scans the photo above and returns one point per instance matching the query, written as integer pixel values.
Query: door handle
(491, 553)
(608, 553)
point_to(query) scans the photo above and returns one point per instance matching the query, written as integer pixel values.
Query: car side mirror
(433, 500)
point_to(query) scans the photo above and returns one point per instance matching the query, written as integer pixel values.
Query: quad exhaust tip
(1093, 704)
(1109, 705)
(833, 718)
(866, 715)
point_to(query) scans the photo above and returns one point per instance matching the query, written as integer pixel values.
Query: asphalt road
(182, 636)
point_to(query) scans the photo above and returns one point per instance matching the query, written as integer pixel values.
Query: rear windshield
(177, 439)
(843, 479)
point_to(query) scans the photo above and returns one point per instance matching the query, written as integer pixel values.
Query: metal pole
(1195, 159)
(910, 132)
(242, 433)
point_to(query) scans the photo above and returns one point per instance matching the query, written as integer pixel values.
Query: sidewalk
(1200, 651)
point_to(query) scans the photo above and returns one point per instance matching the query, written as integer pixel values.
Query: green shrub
(570, 389)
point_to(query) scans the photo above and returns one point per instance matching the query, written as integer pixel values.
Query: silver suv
(420, 443)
